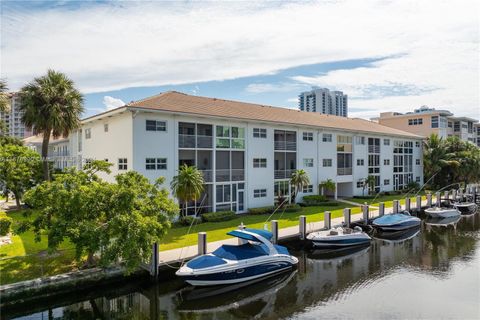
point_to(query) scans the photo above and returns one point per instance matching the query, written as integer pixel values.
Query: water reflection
(326, 284)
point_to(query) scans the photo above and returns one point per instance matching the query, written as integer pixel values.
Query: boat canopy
(251, 234)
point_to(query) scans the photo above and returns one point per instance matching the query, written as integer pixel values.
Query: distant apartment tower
(322, 100)
(12, 119)
(424, 121)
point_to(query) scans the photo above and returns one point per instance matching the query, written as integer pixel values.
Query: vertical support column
(429, 200)
(202, 243)
(407, 204)
(275, 231)
(347, 216)
(365, 213)
(154, 262)
(396, 206)
(419, 203)
(381, 209)
(327, 219)
(303, 227)
(438, 199)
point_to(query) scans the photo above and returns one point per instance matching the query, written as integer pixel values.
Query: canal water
(429, 273)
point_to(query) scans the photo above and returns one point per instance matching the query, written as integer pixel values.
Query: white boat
(466, 207)
(230, 264)
(339, 238)
(396, 222)
(442, 212)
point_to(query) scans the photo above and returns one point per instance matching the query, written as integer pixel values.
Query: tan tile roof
(173, 101)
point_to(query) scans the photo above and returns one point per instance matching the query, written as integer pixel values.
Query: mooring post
(275, 231)
(381, 209)
(407, 204)
(438, 202)
(347, 216)
(327, 220)
(242, 227)
(202, 243)
(429, 200)
(303, 227)
(454, 194)
(396, 206)
(365, 213)
(154, 262)
(419, 203)
(446, 195)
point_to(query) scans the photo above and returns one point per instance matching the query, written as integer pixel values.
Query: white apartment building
(476, 130)
(247, 152)
(322, 100)
(13, 119)
(58, 150)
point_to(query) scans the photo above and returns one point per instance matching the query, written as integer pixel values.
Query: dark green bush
(314, 200)
(218, 216)
(5, 223)
(186, 221)
(261, 210)
(364, 197)
(292, 208)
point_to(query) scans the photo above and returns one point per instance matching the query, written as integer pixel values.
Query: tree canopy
(187, 185)
(117, 221)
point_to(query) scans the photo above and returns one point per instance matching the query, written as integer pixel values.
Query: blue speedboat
(396, 222)
(255, 258)
(339, 238)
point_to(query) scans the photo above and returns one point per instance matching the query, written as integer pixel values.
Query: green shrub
(261, 210)
(5, 223)
(218, 216)
(187, 221)
(314, 200)
(364, 197)
(292, 208)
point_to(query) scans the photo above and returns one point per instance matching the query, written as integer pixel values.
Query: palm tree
(436, 156)
(3, 95)
(52, 106)
(187, 185)
(299, 179)
(327, 185)
(368, 182)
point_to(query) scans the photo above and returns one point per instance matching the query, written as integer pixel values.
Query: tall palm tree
(52, 106)
(436, 156)
(3, 95)
(187, 185)
(299, 179)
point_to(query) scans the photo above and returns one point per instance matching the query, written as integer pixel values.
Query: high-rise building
(322, 100)
(12, 119)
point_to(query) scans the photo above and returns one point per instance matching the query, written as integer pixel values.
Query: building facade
(12, 119)
(324, 101)
(426, 121)
(247, 152)
(58, 150)
(476, 129)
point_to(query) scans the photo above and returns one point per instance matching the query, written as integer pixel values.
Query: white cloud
(113, 46)
(112, 103)
(271, 87)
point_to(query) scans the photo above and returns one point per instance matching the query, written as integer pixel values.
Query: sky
(386, 55)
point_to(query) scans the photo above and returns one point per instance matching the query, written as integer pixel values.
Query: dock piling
(327, 219)
(202, 243)
(365, 213)
(429, 200)
(419, 203)
(407, 204)
(347, 216)
(275, 231)
(381, 209)
(154, 262)
(438, 202)
(303, 227)
(396, 206)
(454, 195)
(446, 195)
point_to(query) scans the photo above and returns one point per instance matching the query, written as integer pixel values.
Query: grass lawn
(25, 259)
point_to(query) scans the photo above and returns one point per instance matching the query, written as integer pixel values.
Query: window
(360, 184)
(417, 179)
(308, 189)
(450, 124)
(327, 137)
(155, 125)
(327, 162)
(417, 162)
(417, 144)
(105, 127)
(386, 162)
(259, 163)
(308, 136)
(259, 193)
(230, 137)
(155, 163)
(360, 140)
(415, 122)
(308, 162)
(360, 162)
(259, 133)
(88, 133)
(434, 121)
(386, 182)
(122, 164)
(386, 142)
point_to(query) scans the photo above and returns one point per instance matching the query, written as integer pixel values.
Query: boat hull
(443, 213)
(238, 274)
(405, 223)
(326, 243)
(469, 208)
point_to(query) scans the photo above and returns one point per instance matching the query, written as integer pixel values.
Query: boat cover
(240, 234)
(391, 219)
(205, 262)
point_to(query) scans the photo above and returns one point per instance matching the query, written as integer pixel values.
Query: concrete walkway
(186, 253)
(352, 203)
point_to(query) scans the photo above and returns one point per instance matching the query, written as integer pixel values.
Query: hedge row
(5, 223)
(207, 217)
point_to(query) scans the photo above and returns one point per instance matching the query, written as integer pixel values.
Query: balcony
(286, 145)
(283, 174)
(373, 149)
(207, 175)
(230, 175)
(192, 141)
(344, 171)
